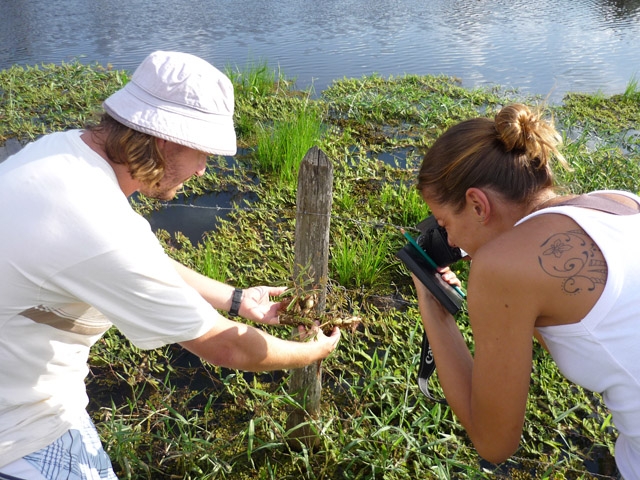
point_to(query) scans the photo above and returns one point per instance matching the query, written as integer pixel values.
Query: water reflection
(621, 9)
(539, 47)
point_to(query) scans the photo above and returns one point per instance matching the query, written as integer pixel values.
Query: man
(76, 259)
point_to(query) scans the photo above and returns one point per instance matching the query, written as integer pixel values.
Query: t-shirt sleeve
(138, 289)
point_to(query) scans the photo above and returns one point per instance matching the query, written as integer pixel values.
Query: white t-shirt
(74, 259)
(601, 352)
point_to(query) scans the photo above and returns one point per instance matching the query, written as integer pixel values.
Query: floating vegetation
(165, 414)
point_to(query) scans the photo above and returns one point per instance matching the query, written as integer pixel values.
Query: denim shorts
(76, 455)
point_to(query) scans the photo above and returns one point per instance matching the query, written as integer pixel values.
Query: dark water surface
(544, 47)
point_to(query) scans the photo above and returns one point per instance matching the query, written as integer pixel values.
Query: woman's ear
(478, 201)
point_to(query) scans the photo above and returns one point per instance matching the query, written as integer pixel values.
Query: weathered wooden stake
(313, 218)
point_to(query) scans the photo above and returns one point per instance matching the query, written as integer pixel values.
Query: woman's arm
(502, 316)
(488, 391)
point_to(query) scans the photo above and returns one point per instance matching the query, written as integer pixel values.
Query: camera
(423, 256)
(434, 241)
(430, 251)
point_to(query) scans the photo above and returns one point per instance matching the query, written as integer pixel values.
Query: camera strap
(426, 369)
(600, 202)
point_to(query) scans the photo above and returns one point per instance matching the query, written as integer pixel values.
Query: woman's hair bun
(525, 132)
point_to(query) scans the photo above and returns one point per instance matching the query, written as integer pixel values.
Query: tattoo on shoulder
(575, 258)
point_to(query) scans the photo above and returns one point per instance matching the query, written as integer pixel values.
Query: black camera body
(423, 256)
(434, 241)
(426, 253)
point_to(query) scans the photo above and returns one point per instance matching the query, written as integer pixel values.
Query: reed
(281, 146)
(633, 90)
(359, 258)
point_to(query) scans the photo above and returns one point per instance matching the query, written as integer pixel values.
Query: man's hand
(256, 304)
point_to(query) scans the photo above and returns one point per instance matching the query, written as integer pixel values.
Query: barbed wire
(372, 223)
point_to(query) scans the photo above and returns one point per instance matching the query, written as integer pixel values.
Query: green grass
(281, 145)
(359, 256)
(164, 414)
(44, 98)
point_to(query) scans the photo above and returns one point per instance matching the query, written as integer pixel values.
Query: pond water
(547, 47)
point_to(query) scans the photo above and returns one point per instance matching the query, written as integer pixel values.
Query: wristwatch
(235, 302)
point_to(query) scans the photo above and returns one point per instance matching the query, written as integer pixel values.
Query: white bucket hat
(180, 98)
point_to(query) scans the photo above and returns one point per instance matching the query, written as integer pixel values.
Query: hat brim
(206, 132)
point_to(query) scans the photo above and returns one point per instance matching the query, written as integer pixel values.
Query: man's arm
(235, 345)
(255, 304)
(218, 294)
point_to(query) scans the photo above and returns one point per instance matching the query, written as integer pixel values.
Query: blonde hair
(138, 151)
(510, 154)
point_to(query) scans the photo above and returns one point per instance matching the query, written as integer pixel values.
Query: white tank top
(602, 352)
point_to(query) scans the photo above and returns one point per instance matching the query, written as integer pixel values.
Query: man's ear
(161, 143)
(478, 201)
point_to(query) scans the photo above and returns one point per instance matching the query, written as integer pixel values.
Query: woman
(565, 274)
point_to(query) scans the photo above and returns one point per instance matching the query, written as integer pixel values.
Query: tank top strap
(601, 203)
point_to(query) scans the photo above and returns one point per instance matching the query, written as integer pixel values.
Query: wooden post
(313, 218)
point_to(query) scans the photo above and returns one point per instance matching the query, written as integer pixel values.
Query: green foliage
(47, 98)
(261, 95)
(359, 258)
(255, 80)
(632, 91)
(164, 414)
(408, 110)
(281, 146)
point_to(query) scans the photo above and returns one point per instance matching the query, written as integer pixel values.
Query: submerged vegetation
(165, 414)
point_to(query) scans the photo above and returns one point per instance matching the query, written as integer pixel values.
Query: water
(546, 47)
(198, 215)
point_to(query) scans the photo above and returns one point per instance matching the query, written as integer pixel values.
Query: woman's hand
(449, 276)
(431, 308)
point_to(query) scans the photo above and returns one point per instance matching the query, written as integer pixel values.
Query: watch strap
(235, 302)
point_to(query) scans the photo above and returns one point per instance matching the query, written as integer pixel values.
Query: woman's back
(600, 352)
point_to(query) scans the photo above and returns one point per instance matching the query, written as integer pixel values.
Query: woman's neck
(544, 199)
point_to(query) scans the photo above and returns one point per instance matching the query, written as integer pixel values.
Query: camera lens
(434, 241)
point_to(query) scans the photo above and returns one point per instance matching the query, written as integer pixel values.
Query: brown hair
(509, 155)
(138, 151)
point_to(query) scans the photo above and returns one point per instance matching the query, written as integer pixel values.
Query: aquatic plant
(166, 414)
